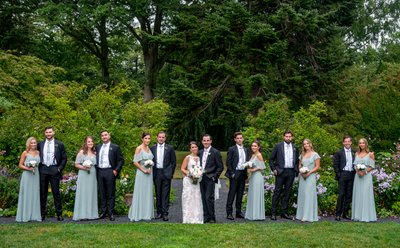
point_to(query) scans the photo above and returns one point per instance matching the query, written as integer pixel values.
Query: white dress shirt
(288, 155)
(104, 162)
(242, 157)
(48, 153)
(160, 156)
(205, 156)
(349, 160)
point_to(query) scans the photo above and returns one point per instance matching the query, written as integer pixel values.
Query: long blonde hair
(28, 143)
(303, 151)
(366, 145)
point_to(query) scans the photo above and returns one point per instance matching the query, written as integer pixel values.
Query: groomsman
(284, 163)
(52, 162)
(163, 171)
(237, 155)
(345, 172)
(109, 163)
(211, 162)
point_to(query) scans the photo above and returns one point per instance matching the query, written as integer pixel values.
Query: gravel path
(175, 215)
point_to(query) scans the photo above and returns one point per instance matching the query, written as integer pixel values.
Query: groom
(109, 163)
(163, 171)
(52, 162)
(284, 163)
(211, 162)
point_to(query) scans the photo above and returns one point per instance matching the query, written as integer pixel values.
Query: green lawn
(322, 234)
(181, 155)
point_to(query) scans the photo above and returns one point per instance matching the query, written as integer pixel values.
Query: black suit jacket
(214, 165)
(115, 156)
(59, 154)
(339, 161)
(233, 159)
(169, 162)
(277, 158)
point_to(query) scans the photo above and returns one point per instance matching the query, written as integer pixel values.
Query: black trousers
(345, 185)
(162, 187)
(106, 182)
(283, 185)
(207, 189)
(50, 175)
(236, 190)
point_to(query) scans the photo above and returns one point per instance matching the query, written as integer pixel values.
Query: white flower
(87, 164)
(32, 163)
(245, 165)
(148, 163)
(304, 170)
(361, 167)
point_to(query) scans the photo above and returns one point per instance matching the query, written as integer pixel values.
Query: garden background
(320, 68)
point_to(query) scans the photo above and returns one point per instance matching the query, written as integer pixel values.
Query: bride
(192, 207)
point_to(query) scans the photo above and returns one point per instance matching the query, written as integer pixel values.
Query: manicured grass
(322, 234)
(180, 155)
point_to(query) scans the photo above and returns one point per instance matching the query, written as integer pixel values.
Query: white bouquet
(196, 173)
(245, 165)
(87, 164)
(304, 170)
(361, 167)
(32, 164)
(148, 163)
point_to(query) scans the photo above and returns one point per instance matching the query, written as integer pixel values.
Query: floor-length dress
(307, 202)
(363, 203)
(86, 206)
(29, 193)
(142, 207)
(192, 206)
(255, 208)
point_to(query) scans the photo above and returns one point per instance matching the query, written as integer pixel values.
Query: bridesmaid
(307, 203)
(363, 205)
(255, 209)
(29, 191)
(86, 206)
(142, 207)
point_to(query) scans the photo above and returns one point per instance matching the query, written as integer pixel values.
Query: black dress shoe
(158, 216)
(103, 216)
(60, 218)
(345, 217)
(285, 216)
(165, 218)
(43, 218)
(337, 218)
(112, 218)
(211, 221)
(273, 217)
(230, 217)
(239, 216)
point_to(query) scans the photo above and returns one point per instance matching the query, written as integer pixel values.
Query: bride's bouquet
(148, 163)
(246, 165)
(32, 164)
(196, 173)
(361, 167)
(87, 164)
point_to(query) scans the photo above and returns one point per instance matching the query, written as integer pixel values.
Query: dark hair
(144, 134)
(258, 144)
(85, 148)
(347, 137)
(207, 135)
(236, 134)
(162, 132)
(48, 127)
(104, 130)
(193, 143)
(288, 131)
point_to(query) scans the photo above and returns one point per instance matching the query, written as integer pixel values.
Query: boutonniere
(55, 145)
(110, 148)
(294, 148)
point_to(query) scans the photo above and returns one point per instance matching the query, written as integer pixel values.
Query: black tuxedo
(345, 181)
(106, 178)
(285, 177)
(51, 173)
(237, 179)
(162, 177)
(213, 170)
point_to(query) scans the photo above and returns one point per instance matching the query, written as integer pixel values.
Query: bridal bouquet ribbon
(245, 165)
(148, 163)
(32, 164)
(196, 173)
(87, 164)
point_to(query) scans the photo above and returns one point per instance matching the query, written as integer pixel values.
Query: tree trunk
(150, 55)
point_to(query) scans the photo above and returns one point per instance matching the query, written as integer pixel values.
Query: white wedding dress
(192, 207)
